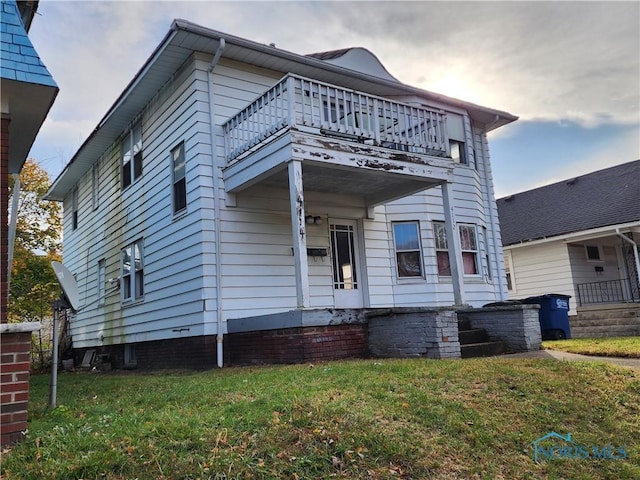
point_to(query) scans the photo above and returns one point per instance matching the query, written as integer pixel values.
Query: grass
(361, 419)
(606, 347)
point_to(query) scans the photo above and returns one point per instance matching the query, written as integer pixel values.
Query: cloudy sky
(569, 70)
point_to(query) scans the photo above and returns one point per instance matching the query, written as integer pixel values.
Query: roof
(183, 39)
(28, 89)
(18, 59)
(603, 198)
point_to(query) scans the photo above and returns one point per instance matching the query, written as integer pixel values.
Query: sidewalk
(625, 362)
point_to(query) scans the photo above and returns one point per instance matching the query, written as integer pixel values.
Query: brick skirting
(297, 345)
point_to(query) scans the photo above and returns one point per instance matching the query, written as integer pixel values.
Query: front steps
(474, 342)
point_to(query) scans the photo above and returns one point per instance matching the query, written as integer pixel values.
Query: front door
(347, 286)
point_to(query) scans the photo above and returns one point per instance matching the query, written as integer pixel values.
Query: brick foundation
(15, 360)
(297, 345)
(196, 353)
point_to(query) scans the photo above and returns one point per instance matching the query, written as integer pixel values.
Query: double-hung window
(132, 272)
(406, 237)
(457, 138)
(468, 244)
(131, 148)
(179, 179)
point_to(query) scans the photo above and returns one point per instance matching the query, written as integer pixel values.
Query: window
(131, 149)
(406, 237)
(508, 270)
(102, 281)
(468, 245)
(593, 253)
(130, 355)
(74, 208)
(458, 152)
(132, 272)
(95, 187)
(179, 180)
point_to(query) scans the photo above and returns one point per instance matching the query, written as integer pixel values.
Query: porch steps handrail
(606, 291)
(299, 102)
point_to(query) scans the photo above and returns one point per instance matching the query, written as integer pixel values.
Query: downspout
(635, 252)
(13, 225)
(216, 202)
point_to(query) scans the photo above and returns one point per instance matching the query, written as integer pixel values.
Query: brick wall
(197, 353)
(15, 359)
(4, 216)
(297, 345)
(414, 332)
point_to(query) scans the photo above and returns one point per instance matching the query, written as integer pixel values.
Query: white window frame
(600, 258)
(462, 157)
(132, 282)
(178, 157)
(509, 271)
(131, 151)
(417, 249)
(75, 201)
(95, 188)
(441, 246)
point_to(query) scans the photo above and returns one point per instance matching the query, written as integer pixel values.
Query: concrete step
(484, 349)
(473, 335)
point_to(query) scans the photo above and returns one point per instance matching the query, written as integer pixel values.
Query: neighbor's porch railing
(609, 291)
(327, 109)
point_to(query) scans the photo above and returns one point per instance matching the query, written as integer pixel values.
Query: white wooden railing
(317, 107)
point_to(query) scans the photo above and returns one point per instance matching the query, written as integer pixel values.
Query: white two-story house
(237, 190)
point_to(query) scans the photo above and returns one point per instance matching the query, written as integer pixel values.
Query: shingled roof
(599, 199)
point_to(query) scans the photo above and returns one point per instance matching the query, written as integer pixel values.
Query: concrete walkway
(625, 362)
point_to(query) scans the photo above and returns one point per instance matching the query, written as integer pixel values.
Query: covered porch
(307, 136)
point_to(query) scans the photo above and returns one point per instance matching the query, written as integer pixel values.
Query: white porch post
(453, 246)
(299, 234)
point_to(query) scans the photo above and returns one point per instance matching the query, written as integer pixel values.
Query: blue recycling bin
(553, 315)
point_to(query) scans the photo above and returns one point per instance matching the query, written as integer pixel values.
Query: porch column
(299, 234)
(453, 246)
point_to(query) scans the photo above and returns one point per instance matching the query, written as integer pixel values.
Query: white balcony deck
(383, 149)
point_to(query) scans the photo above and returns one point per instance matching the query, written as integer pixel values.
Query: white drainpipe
(13, 224)
(216, 202)
(635, 252)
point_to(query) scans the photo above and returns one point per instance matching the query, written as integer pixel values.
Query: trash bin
(553, 315)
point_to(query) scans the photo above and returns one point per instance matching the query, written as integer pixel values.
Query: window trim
(416, 223)
(510, 275)
(462, 149)
(75, 200)
(444, 249)
(95, 187)
(600, 258)
(129, 290)
(180, 148)
(133, 138)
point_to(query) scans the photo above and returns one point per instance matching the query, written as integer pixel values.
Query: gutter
(635, 251)
(216, 204)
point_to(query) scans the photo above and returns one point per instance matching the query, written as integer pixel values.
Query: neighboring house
(27, 92)
(578, 237)
(235, 187)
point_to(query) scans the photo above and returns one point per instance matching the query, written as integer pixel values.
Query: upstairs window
(406, 237)
(74, 208)
(458, 152)
(468, 245)
(131, 149)
(132, 272)
(95, 186)
(179, 179)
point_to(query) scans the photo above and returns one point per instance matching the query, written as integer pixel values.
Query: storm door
(347, 287)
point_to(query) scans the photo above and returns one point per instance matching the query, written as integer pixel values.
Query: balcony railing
(609, 291)
(317, 107)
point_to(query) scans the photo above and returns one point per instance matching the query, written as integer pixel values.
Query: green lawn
(607, 347)
(361, 419)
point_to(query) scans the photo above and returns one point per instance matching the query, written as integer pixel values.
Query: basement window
(130, 355)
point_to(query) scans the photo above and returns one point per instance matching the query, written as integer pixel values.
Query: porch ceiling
(337, 167)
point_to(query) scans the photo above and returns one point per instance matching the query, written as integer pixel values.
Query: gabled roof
(358, 59)
(603, 198)
(183, 39)
(28, 89)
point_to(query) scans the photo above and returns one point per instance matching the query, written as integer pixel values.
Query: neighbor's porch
(304, 135)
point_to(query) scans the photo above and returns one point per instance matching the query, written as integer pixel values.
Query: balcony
(384, 149)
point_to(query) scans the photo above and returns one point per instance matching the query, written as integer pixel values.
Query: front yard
(364, 419)
(606, 347)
